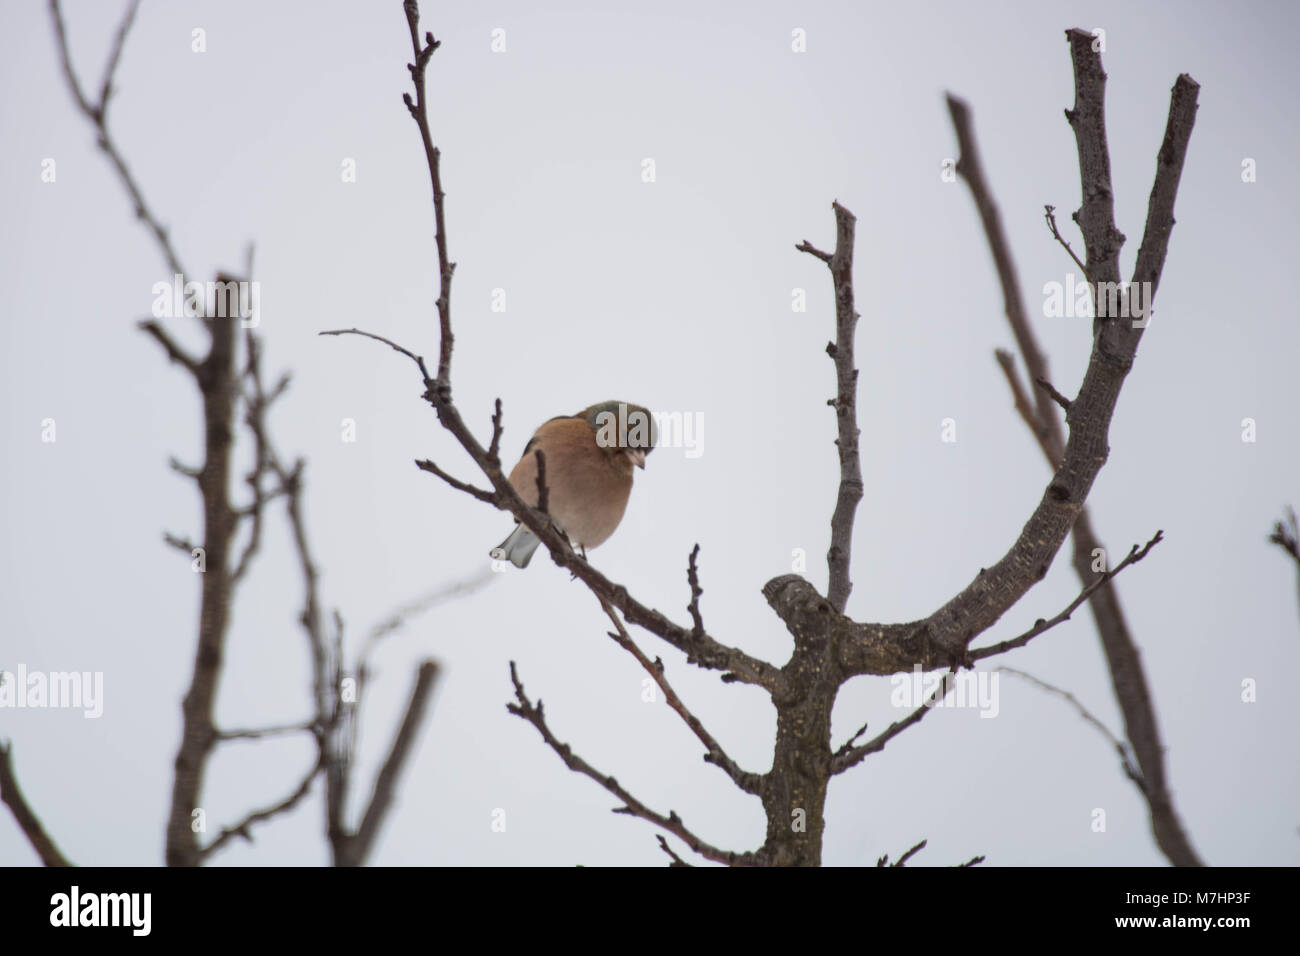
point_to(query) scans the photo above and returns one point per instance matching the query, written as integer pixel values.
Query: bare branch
(1133, 557)
(848, 744)
(812, 250)
(902, 860)
(420, 113)
(849, 756)
(693, 579)
(302, 726)
(1027, 412)
(174, 352)
(663, 845)
(1286, 535)
(244, 827)
(526, 710)
(119, 41)
(494, 446)
(1049, 213)
(12, 797)
(1056, 396)
(845, 403)
(417, 359)
(1122, 656)
(1169, 170)
(180, 544)
(1125, 752)
(1096, 216)
(182, 469)
(255, 419)
(97, 114)
(971, 169)
(381, 800)
(425, 464)
(426, 602)
(749, 782)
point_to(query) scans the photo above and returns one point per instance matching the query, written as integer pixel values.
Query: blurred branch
(244, 827)
(1125, 752)
(221, 387)
(97, 113)
(277, 731)
(12, 797)
(356, 848)
(1286, 535)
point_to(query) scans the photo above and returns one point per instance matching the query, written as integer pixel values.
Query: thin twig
(902, 860)
(302, 726)
(1029, 415)
(848, 756)
(254, 418)
(12, 797)
(1056, 396)
(526, 710)
(425, 464)
(1121, 747)
(1049, 213)
(663, 845)
(417, 359)
(97, 113)
(494, 446)
(179, 543)
(693, 579)
(848, 744)
(174, 351)
(714, 754)
(1133, 557)
(244, 827)
(399, 618)
(446, 268)
(1286, 535)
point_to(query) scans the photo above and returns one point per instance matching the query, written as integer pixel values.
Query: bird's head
(623, 428)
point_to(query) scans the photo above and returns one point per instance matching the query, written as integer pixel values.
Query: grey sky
(675, 294)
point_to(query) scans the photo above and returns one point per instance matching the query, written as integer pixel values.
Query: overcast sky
(676, 294)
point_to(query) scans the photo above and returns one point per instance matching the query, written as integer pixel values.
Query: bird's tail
(518, 548)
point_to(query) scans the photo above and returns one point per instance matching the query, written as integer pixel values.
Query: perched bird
(589, 459)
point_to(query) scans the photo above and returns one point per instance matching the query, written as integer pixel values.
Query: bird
(589, 462)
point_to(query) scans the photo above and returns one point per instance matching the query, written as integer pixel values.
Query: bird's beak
(636, 456)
